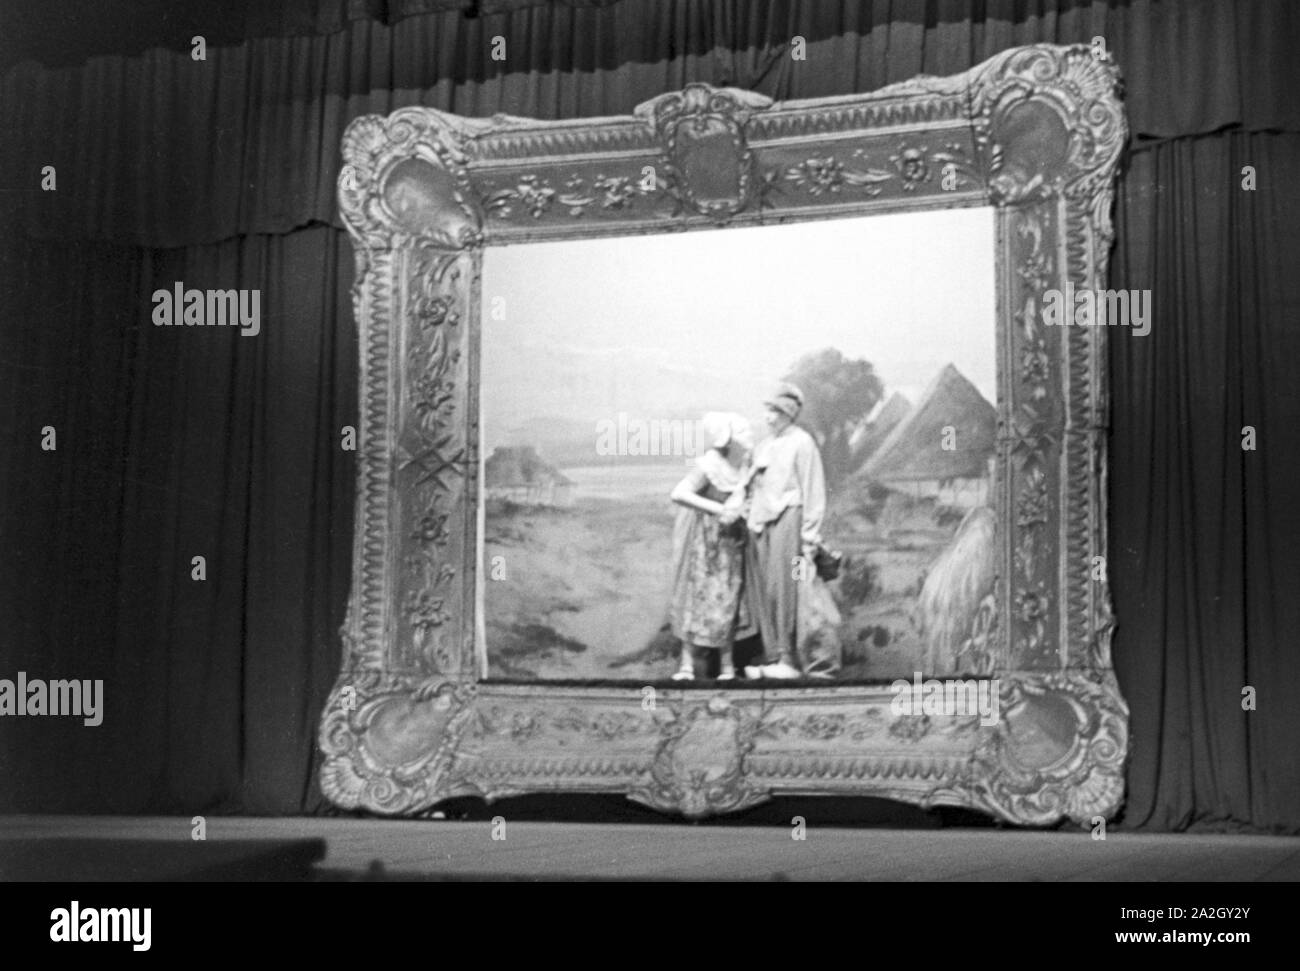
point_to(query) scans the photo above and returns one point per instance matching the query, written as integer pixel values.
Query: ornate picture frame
(1035, 132)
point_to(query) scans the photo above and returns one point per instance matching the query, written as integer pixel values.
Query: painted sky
(675, 324)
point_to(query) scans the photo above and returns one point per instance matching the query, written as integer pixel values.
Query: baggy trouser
(771, 571)
(794, 609)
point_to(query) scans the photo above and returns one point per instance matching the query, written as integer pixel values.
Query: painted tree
(838, 395)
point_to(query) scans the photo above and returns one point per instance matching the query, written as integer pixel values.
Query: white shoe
(683, 676)
(727, 676)
(780, 671)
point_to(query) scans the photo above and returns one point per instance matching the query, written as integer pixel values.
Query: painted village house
(943, 448)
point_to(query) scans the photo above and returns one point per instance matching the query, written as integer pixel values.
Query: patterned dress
(708, 607)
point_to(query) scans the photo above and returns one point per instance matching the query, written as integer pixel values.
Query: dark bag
(828, 563)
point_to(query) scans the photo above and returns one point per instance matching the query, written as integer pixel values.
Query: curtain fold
(1203, 531)
(176, 443)
(41, 32)
(221, 174)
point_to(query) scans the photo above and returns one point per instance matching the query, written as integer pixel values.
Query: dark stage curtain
(174, 443)
(222, 173)
(1203, 534)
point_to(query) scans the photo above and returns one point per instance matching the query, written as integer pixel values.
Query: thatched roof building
(913, 457)
(870, 437)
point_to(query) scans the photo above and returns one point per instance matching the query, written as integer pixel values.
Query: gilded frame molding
(1036, 132)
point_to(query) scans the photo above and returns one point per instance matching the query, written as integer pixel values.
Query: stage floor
(55, 847)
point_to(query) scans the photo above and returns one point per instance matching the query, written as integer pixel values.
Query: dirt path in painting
(583, 587)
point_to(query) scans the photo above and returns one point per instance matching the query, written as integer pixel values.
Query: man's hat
(786, 399)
